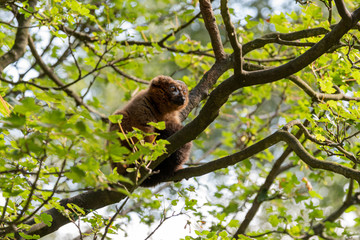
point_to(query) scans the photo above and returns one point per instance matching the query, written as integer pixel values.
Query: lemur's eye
(172, 88)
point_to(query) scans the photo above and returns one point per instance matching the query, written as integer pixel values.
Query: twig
(90, 85)
(162, 41)
(161, 222)
(113, 218)
(128, 76)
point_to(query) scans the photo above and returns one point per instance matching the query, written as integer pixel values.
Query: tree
(273, 116)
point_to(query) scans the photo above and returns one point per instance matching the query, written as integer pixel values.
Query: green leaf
(53, 117)
(115, 118)
(320, 137)
(158, 125)
(174, 202)
(46, 218)
(27, 105)
(223, 234)
(234, 223)
(315, 195)
(76, 174)
(76, 209)
(351, 209)
(26, 236)
(326, 85)
(190, 203)
(274, 220)
(250, 23)
(81, 127)
(15, 121)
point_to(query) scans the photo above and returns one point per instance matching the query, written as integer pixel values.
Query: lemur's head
(170, 94)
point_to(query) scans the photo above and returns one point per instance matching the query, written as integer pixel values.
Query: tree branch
(219, 96)
(225, 162)
(79, 35)
(230, 29)
(319, 96)
(96, 199)
(162, 41)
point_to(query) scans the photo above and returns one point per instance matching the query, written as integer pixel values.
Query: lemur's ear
(155, 82)
(182, 84)
(159, 80)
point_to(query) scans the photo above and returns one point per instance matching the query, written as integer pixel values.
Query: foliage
(275, 131)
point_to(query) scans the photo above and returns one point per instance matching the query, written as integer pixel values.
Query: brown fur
(162, 101)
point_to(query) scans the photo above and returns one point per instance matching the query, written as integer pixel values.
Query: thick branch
(94, 200)
(220, 95)
(315, 163)
(227, 161)
(212, 28)
(21, 38)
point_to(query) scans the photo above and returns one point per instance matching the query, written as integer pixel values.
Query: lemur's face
(178, 92)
